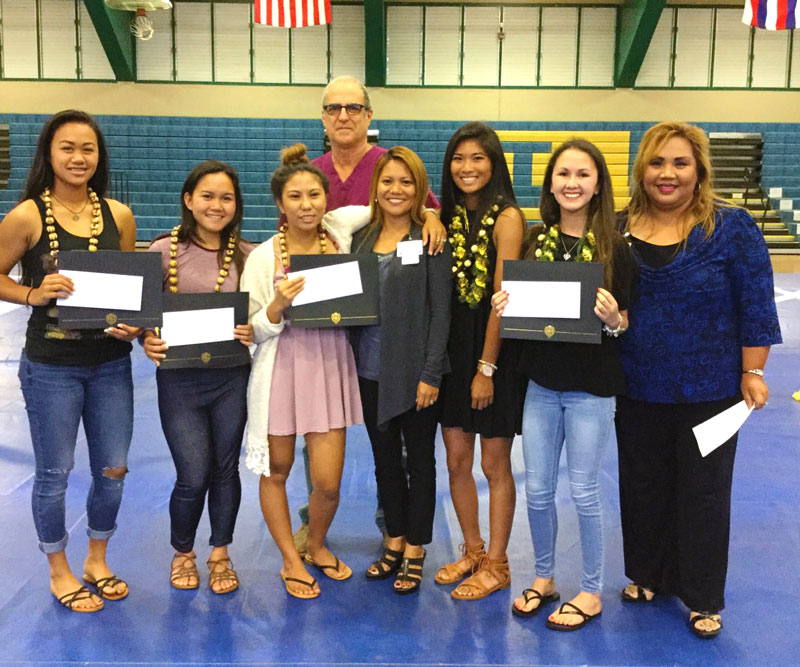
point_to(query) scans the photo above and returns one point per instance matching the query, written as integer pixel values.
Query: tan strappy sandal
(454, 572)
(476, 588)
(221, 570)
(183, 567)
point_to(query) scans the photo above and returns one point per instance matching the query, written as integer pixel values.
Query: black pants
(675, 504)
(203, 414)
(407, 494)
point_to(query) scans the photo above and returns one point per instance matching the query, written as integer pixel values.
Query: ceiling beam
(113, 29)
(637, 23)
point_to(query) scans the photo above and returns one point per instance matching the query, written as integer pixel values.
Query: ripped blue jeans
(56, 399)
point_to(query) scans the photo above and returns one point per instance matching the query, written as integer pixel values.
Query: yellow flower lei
(474, 260)
(547, 246)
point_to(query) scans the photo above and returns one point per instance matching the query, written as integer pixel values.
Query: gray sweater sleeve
(440, 286)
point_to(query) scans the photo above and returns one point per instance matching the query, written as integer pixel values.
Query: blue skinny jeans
(582, 421)
(203, 414)
(56, 399)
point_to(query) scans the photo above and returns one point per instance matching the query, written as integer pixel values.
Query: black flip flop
(532, 594)
(640, 598)
(575, 610)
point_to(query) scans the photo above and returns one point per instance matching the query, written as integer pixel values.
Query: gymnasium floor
(362, 623)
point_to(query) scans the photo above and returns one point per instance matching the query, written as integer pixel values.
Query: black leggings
(675, 504)
(407, 493)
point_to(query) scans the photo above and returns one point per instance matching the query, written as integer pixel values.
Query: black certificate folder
(214, 354)
(345, 311)
(113, 263)
(585, 329)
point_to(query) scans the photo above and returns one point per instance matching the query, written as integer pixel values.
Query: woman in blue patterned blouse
(702, 323)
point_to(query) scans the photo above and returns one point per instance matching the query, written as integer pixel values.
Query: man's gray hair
(351, 79)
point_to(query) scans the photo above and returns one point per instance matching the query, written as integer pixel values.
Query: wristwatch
(485, 368)
(755, 371)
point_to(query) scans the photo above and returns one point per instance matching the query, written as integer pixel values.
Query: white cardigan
(258, 279)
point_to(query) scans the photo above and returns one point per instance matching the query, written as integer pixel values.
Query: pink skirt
(314, 383)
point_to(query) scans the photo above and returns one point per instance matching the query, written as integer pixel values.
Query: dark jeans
(407, 494)
(56, 399)
(203, 414)
(675, 504)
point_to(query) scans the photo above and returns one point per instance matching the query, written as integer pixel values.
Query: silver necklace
(568, 253)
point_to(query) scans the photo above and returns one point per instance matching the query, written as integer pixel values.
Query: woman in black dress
(482, 395)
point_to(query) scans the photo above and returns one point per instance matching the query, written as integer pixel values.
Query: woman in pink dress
(303, 381)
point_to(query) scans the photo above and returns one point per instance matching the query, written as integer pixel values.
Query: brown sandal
(476, 587)
(222, 570)
(183, 567)
(454, 572)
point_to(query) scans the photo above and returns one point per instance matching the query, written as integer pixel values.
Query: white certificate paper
(110, 291)
(543, 298)
(328, 282)
(195, 327)
(719, 429)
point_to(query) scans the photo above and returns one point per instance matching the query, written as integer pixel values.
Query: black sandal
(387, 564)
(82, 593)
(639, 598)
(530, 594)
(410, 570)
(705, 616)
(107, 582)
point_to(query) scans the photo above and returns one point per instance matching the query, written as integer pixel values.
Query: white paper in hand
(719, 429)
(104, 290)
(328, 282)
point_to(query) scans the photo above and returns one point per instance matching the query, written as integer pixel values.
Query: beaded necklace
(547, 244)
(471, 266)
(323, 244)
(173, 260)
(50, 220)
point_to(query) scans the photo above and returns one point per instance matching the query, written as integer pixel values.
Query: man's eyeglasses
(352, 109)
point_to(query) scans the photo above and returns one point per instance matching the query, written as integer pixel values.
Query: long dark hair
(600, 218)
(499, 184)
(40, 175)
(188, 228)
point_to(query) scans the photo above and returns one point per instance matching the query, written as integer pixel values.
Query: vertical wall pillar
(374, 43)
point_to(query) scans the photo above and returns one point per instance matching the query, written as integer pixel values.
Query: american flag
(292, 13)
(771, 14)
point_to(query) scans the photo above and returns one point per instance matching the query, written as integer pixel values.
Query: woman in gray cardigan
(401, 361)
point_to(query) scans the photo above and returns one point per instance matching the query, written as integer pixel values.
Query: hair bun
(295, 154)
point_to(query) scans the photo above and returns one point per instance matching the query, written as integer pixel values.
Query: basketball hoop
(141, 26)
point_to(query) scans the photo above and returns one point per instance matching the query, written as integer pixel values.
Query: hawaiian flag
(771, 14)
(293, 13)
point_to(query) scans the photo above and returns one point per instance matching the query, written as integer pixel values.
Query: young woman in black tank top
(69, 375)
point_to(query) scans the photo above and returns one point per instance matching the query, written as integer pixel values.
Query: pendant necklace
(76, 215)
(568, 253)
